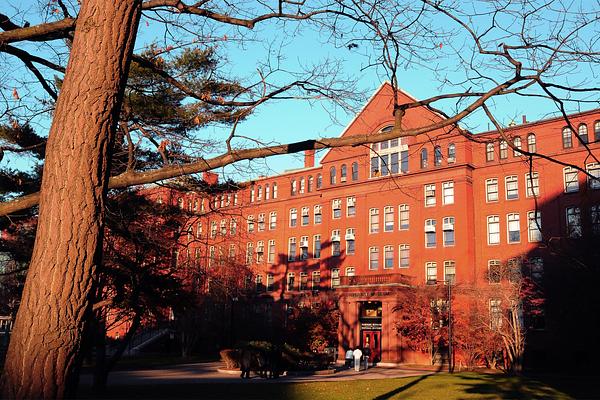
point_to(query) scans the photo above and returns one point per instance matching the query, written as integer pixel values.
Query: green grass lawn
(438, 387)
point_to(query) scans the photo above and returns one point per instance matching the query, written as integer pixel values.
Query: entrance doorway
(371, 339)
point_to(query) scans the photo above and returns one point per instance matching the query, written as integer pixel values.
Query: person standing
(357, 353)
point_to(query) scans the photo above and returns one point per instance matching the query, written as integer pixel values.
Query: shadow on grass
(406, 386)
(507, 387)
(402, 388)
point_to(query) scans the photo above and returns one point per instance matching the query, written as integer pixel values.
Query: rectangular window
(503, 150)
(595, 219)
(495, 314)
(213, 228)
(303, 281)
(388, 219)
(350, 243)
(594, 170)
(317, 246)
(448, 229)
(290, 281)
(388, 257)
(573, 222)
(514, 228)
(512, 187)
(350, 271)
(292, 249)
(335, 243)
(350, 206)
(316, 280)
(373, 220)
(571, 180)
(534, 225)
(430, 237)
(373, 258)
(273, 220)
(491, 189)
(271, 252)
(335, 277)
(404, 250)
(261, 222)
(404, 217)
(493, 228)
(304, 247)
(260, 251)
(293, 217)
(394, 163)
(449, 272)
(336, 207)
(489, 152)
(567, 138)
(404, 161)
(270, 282)
(448, 193)
(305, 216)
(318, 215)
(494, 271)
(532, 182)
(249, 253)
(429, 195)
(259, 285)
(431, 273)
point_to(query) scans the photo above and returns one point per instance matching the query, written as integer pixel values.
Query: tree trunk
(43, 358)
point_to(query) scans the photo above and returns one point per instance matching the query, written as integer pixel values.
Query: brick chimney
(210, 177)
(524, 119)
(309, 158)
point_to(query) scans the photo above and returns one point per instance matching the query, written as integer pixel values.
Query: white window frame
(430, 228)
(293, 217)
(388, 219)
(374, 220)
(513, 224)
(532, 184)
(404, 254)
(491, 196)
(534, 234)
(448, 193)
(571, 180)
(292, 255)
(449, 265)
(318, 214)
(336, 208)
(594, 170)
(387, 250)
(511, 186)
(403, 215)
(448, 226)
(429, 192)
(493, 229)
(350, 206)
(373, 258)
(430, 278)
(271, 252)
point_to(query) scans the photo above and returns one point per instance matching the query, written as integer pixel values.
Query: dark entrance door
(371, 339)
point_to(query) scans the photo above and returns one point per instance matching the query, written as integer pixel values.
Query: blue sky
(292, 120)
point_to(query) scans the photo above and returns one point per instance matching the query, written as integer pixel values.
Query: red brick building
(368, 221)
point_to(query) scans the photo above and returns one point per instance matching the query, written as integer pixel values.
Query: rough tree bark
(43, 357)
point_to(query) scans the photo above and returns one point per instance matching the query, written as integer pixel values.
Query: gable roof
(378, 112)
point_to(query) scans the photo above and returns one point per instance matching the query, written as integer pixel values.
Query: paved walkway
(207, 373)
